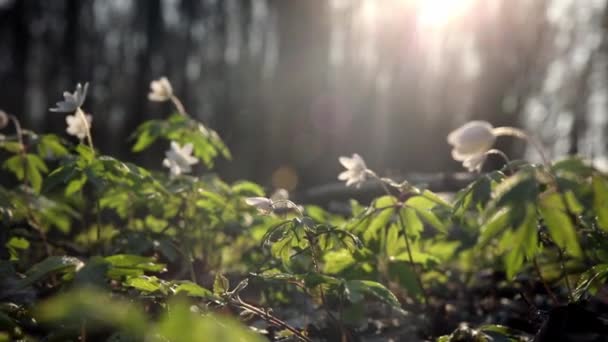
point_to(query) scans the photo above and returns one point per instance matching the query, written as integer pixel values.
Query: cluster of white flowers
(79, 124)
(472, 143)
(179, 159)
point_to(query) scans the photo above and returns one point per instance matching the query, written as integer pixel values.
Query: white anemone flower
(77, 127)
(262, 204)
(179, 159)
(280, 194)
(472, 139)
(356, 170)
(72, 101)
(475, 163)
(160, 90)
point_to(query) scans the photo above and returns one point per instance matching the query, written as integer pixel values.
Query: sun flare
(438, 13)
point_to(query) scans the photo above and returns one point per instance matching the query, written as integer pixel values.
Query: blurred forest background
(291, 85)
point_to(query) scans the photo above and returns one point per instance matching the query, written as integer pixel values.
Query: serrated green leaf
(381, 218)
(492, 227)
(413, 224)
(559, 224)
(76, 184)
(144, 283)
(192, 290)
(356, 289)
(245, 188)
(600, 201)
(338, 261)
(425, 210)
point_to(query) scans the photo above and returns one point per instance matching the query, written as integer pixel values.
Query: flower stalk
(87, 127)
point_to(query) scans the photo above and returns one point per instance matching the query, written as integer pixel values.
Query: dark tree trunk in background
(294, 84)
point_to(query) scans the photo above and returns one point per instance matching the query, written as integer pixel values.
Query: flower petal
(187, 149)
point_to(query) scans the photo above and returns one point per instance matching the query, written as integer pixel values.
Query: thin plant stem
(83, 331)
(98, 217)
(407, 240)
(191, 259)
(563, 267)
(22, 153)
(178, 105)
(313, 252)
(411, 259)
(545, 284)
(521, 134)
(503, 156)
(87, 128)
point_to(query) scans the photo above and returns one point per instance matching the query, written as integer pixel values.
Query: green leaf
(517, 189)
(433, 197)
(35, 168)
(381, 219)
(135, 261)
(76, 184)
(87, 154)
(402, 272)
(98, 309)
(11, 146)
(50, 145)
(179, 323)
(93, 273)
(477, 194)
(245, 188)
(50, 265)
(356, 289)
(600, 201)
(523, 242)
(18, 243)
(394, 243)
(513, 262)
(425, 210)
(145, 284)
(221, 284)
(491, 228)
(192, 290)
(559, 223)
(413, 225)
(338, 261)
(16, 165)
(126, 265)
(147, 134)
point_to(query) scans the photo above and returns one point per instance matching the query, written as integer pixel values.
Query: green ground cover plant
(97, 249)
